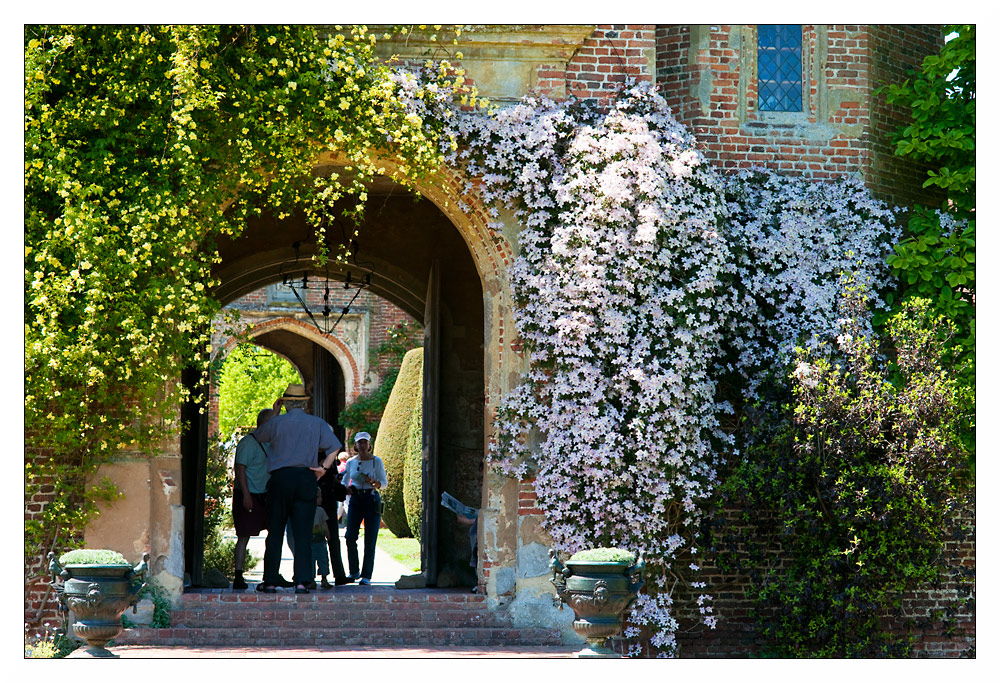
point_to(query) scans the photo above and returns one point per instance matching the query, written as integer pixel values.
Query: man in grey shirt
(295, 439)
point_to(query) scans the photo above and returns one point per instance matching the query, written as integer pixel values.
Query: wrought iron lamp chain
(362, 284)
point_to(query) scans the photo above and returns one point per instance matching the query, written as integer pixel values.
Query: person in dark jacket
(334, 492)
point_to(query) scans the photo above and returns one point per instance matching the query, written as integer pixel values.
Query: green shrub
(161, 607)
(50, 645)
(221, 554)
(88, 556)
(856, 492)
(413, 471)
(41, 649)
(393, 439)
(603, 555)
(365, 413)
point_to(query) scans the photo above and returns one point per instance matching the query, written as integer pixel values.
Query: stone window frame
(814, 104)
(279, 295)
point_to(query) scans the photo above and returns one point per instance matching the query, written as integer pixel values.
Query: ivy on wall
(936, 258)
(143, 145)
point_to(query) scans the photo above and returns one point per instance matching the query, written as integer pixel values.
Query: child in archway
(320, 538)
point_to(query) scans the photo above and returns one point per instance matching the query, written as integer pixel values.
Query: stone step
(274, 635)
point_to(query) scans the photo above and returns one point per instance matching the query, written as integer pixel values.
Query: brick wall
(843, 131)
(382, 315)
(893, 51)
(40, 605)
(736, 633)
(611, 54)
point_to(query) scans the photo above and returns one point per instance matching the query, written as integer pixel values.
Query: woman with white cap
(363, 477)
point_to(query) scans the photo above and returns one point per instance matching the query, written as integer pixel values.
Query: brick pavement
(192, 652)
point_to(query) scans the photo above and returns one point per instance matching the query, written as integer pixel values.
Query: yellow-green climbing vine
(143, 145)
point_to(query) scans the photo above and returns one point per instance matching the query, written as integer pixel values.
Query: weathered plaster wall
(148, 518)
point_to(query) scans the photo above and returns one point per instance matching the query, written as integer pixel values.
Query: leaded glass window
(779, 67)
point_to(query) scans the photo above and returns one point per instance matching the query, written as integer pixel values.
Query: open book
(449, 501)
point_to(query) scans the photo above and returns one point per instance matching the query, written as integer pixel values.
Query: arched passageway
(423, 262)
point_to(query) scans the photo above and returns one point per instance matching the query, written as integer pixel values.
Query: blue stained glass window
(779, 67)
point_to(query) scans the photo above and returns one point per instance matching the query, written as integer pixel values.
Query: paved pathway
(386, 570)
(444, 652)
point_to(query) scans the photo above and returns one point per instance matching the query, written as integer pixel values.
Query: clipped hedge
(393, 439)
(413, 468)
(92, 556)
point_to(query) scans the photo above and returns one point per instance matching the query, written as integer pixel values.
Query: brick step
(272, 635)
(350, 594)
(215, 617)
(380, 617)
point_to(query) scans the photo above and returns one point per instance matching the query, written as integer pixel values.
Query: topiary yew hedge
(393, 442)
(413, 493)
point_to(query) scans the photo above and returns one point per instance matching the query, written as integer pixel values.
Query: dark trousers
(364, 506)
(291, 494)
(336, 561)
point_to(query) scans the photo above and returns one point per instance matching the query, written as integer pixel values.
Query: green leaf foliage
(413, 465)
(143, 146)
(365, 412)
(936, 259)
(857, 493)
(393, 441)
(220, 554)
(251, 380)
(942, 131)
(604, 555)
(93, 556)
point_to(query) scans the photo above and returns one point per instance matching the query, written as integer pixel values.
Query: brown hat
(295, 391)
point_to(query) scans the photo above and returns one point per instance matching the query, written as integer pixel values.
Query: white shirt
(356, 467)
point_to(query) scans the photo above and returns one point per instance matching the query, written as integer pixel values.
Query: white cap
(362, 435)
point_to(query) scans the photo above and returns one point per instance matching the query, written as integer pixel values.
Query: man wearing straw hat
(294, 438)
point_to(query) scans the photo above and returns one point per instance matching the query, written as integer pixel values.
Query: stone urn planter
(97, 586)
(598, 585)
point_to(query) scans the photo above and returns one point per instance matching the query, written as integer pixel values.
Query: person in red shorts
(249, 494)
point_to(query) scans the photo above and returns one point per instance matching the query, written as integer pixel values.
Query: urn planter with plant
(599, 584)
(97, 586)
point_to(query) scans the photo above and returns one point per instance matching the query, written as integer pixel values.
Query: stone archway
(348, 374)
(400, 238)
(480, 357)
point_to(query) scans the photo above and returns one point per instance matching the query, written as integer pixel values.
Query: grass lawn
(406, 551)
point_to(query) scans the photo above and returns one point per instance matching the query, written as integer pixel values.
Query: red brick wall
(38, 607)
(693, 66)
(383, 316)
(611, 54)
(893, 52)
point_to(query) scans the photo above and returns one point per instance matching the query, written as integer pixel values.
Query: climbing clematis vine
(643, 277)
